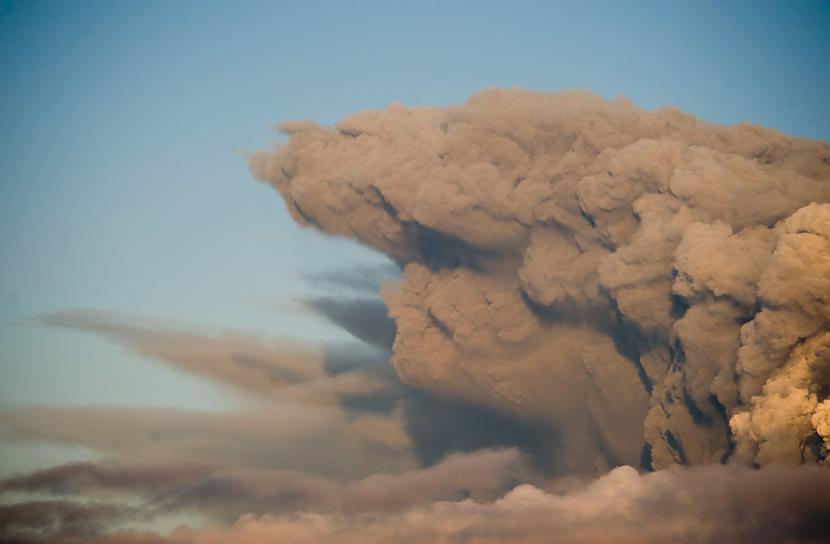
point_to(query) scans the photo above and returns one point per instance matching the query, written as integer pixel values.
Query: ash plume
(633, 281)
(696, 505)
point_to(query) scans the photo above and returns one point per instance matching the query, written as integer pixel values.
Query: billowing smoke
(646, 286)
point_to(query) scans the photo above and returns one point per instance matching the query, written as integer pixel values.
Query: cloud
(233, 358)
(351, 383)
(317, 439)
(276, 371)
(61, 518)
(224, 493)
(787, 421)
(85, 477)
(627, 279)
(361, 279)
(439, 426)
(704, 504)
(712, 504)
(230, 492)
(364, 318)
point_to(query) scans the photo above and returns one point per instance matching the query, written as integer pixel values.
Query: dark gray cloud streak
(366, 319)
(360, 280)
(60, 519)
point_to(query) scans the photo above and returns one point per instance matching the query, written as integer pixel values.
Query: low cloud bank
(704, 504)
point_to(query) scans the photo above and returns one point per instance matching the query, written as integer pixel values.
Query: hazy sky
(124, 129)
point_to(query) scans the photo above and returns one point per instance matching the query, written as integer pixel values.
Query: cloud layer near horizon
(704, 504)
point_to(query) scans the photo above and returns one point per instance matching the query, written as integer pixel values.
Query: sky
(125, 130)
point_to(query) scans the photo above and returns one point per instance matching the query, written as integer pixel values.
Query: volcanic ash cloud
(632, 281)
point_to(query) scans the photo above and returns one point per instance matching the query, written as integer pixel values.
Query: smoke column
(646, 286)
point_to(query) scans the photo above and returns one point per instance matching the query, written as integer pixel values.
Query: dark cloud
(364, 318)
(356, 377)
(83, 477)
(60, 517)
(225, 493)
(315, 374)
(441, 426)
(698, 505)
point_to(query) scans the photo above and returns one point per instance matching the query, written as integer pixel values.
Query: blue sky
(124, 130)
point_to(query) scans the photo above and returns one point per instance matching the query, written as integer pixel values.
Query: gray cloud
(705, 504)
(276, 371)
(83, 477)
(351, 383)
(226, 493)
(361, 280)
(235, 491)
(62, 518)
(232, 358)
(365, 318)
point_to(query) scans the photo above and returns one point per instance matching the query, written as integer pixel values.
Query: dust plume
(643, 284)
